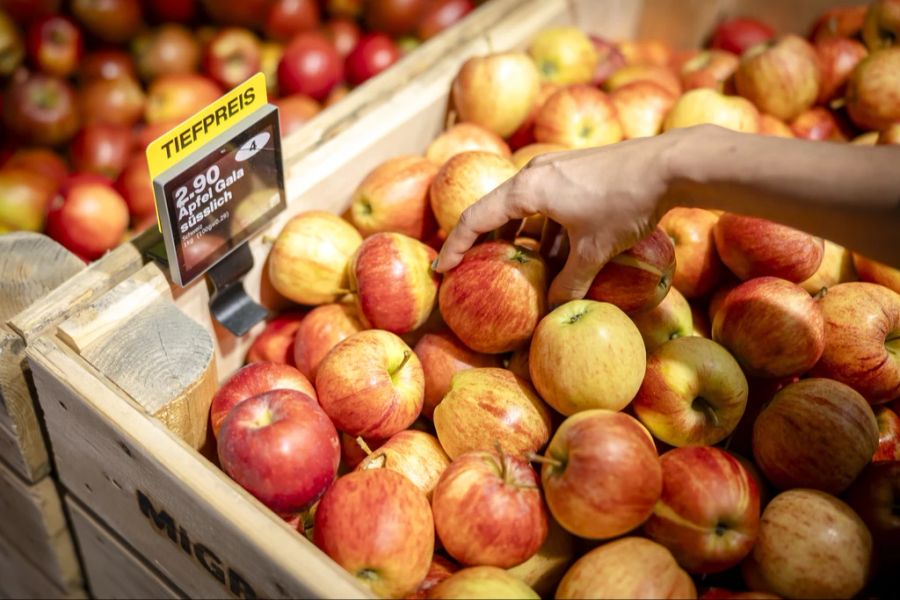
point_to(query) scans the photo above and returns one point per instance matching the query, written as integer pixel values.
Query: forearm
(849, 194)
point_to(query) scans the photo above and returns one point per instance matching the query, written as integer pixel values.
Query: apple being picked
(739, 34)
(476, 583)
(276, 342)
(465, 137)
(371, 385)
(89, 218)
(639, 278)
(488, 509)
(578, 116)
(642, 106)
(698, 269)
(55, 45)
(694, 393)
(888, 435)
(564, 55)
(378, 526)
(281, 448)
(876, 272)
(709, 69)
(704, 105)
(872, 98)
(373, 53)
(394, 197)
(463, 180)
(416, 455)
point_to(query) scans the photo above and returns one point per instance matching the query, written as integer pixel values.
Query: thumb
(574, 280)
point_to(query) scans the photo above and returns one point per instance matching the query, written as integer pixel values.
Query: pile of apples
(86, 89)
(718, 414)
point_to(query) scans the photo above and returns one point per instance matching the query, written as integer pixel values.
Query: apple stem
(362, 444)
(406, 355)
(545, 460)
(820, 294)
(837, 103)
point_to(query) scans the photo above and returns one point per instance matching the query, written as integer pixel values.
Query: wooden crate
(167, 500)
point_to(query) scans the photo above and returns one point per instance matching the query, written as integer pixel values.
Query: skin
(609, 198)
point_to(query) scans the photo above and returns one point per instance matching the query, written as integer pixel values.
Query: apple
(772, 327)
(287, 18)
(585, 355)
(620, 569)
(25, 197)
(116, 101)
(704, 105)
(543, 571)
(180, 11)
(391, 277)
(524, 134)
(668, 320)
(374, 53)
(42, 161)
(463, 180)
(176, 97)
(815, 433)
(642, 106)
(738, 34)
(113, 21)
(441, 14)
(41, 109)
(343, 33)
(495, 297)
(496, 91)
(378, 526)
(698, 269)
(609, 59)
(840, 22)
(838, 57)
(876, 272)
(709, 69)
(872, 98)
(394, 197)
(310, 65)
(354, 450)
(11, 44)
(294, 111)
(169, 50)
(88, 219)
(371, 384)
(639, 278)
(490, 407)
(578, 116)
(250, 13)
(817, 124)
(664, 77)
(281, 448)
(708, 514)
(476, 583)
(102, 149)
(488, 509)
(270, 54)
(441, 568)
(862, 340)
(136, 188)
(442, 356)
(465, 137)
(769, 125)
(753, 247)
(323, 328)
(308, 261)
(107, 63)
(889, 136)
(811, 545)
(564, 55)
(694, 393)
(523, 155)
(394, 17)
(888, 435)
(881, 26)
(601, 474)
(874, 497)
(836, 267)
(275, 343)
(232, 56)
(55, 45)
(416, 455)
(650, 52)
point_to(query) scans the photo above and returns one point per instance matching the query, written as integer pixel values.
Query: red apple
(55, 45)
(876, 272)
(25, 197)
(281, 448)
(838, 57)
(495, 297)
(136, 188)
(102, 149)
(862, 340)
(41, 109)
(232, 56)
(465, 137)
(343, 33)
(354, 450)
(107, 63)
(704, 105)
(89, 219)
(310, 65)
(564, 55)
(323, 328)
(642, 107)
(287, 18)
(874, 497)
(394, 17)
(818, 124)
(840, 22)
(698, 269)
(416, 455)
(639, 278)
(394, 198)
(482, 582)
(378, 526)
(753, 247)
(42, 161)
(275, 343)
(888, 435)
(663, 76)
(882, 24)
(170, 50)
(118, 101)
(374, 53)
(836, 267)
(441, 14)
(371, 384)
(709, 69)
(294, 111)
(668, 320)
(772, 326)
(873, 101)
(180, 11)
(609, 59)
(737, 34)
(176, 97)
(578, 116)
(114, 21)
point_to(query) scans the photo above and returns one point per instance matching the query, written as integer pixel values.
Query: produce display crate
(148, 348)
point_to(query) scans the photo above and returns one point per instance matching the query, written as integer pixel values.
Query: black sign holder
(229, 302)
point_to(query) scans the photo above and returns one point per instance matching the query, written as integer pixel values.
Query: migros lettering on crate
(162, 522)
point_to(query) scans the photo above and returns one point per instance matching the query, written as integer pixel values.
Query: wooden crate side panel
(111, 569)
(184, 516)
(21, 579)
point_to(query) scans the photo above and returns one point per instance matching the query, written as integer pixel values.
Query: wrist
(690, 161)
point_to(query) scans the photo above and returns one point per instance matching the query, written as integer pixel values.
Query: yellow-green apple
(441, 568)
(547, 566)
(308, 262)
(810, 545)
(640, 277)
(815, 433)
(662, 76)
(89, 218)
(647, 51)
(836, 267)
(490, 406)
(698, 269)
(694, 393)
(394, 198)
(601, 474)
(781, 78)
(704, 105)
(275, 343)
(773, 327)
(371, 384)
(708, 514)
(442, 356)
(753, 247)
(874, 496)
(25, 197)
(495, 297)
(817, 124)
(881, 26)
(323, 328)
(642, 106)
(564, 55)
(176, 97)
(587, 354)
(378, 526)
(862, 339)
(524, 134)
(281, 448)
(476, 583)
(769, 125)
(888, 435)
(876, 272)
(47, 163)
(465, 137)
(416, 455)
(622, 569)
(838, 57)
(578, 116)
(252, 380)
(840, 21)
(737, 34)
(709, 69)
(391, 277)
(463, 180)
(609, 59)
(873, 100)
(666, 321)
(55, 45)
(523, 155)
(488, 509)
(496, 91)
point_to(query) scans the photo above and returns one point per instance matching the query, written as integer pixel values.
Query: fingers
(574, 280)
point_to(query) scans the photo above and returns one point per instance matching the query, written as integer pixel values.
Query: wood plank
(170, 504)
(21, 579)
(22, 443)
(111, 568)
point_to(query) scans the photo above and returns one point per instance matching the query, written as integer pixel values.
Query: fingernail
(434, 264)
